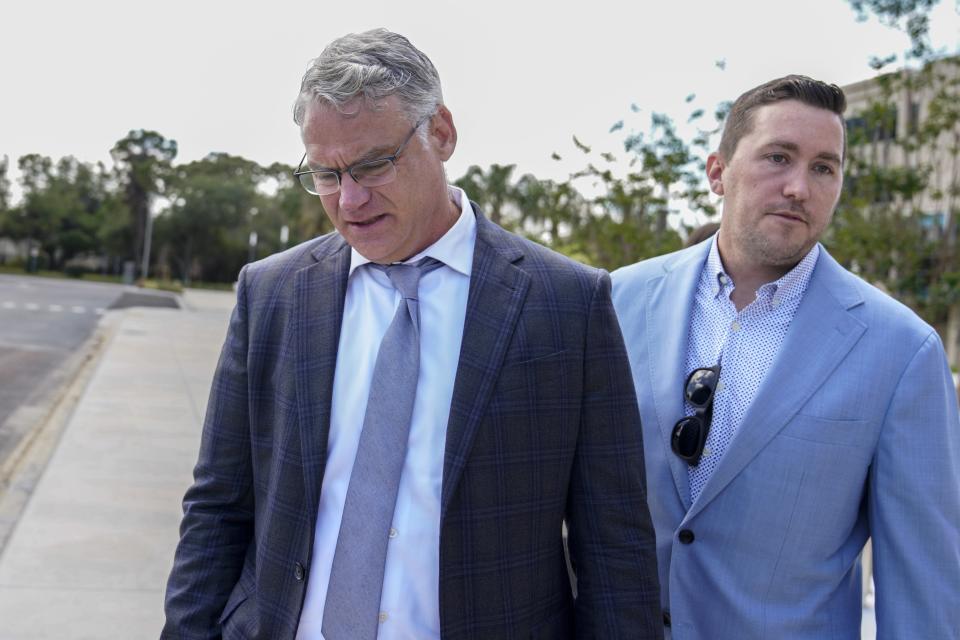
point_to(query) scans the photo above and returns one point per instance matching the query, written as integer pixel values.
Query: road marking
(53, 308)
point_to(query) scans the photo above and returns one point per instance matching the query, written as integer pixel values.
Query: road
(42, 322)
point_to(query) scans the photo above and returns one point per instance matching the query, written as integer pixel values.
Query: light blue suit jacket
(853, 433)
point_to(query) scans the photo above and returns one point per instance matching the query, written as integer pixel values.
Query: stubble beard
(773, 250)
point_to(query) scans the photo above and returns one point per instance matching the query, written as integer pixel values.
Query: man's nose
(797, 186)
(352, 195)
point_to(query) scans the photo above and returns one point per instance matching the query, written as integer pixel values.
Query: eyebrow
(372, 154)
(791, 146)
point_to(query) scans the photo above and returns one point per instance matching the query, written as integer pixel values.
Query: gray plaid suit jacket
(543, 427)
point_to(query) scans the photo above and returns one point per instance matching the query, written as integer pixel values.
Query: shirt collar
(454, 248)
(791, 285)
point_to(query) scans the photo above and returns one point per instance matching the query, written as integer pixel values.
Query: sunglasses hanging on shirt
(690, 433)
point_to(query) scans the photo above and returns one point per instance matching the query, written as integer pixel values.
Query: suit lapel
(820, 337)
(667, 330)
(319, 292)
(497, 292)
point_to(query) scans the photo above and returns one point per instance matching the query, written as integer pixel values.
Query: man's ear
(443, 133)
(715, 167)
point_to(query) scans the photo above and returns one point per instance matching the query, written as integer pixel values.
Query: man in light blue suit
(789, 409)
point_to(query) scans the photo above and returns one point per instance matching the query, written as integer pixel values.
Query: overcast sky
(521, 77)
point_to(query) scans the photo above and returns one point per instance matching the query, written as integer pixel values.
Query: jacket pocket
(240, 594)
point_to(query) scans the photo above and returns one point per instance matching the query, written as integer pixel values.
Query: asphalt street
(42, 323)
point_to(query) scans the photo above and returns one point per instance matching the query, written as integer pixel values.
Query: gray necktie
(352, 608)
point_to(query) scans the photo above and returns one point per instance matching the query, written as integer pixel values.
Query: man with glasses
(408, 410)
(789, 409)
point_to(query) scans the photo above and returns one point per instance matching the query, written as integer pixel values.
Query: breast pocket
(857, 434)
(527, 380)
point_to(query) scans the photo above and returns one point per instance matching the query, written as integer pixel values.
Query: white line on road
(54, 308)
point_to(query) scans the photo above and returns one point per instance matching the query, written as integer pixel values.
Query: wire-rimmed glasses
(369, 173)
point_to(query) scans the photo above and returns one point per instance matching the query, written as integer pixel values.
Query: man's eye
(325, 179)
(373, 169)
(824, 169)
(777, 158)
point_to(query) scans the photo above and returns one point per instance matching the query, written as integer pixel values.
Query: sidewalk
(90, 555)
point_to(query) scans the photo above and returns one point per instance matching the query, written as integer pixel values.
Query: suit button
(666, 617)
(299, 572)
(686, 536)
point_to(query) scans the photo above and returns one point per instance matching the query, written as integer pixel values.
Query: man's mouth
(367, 222)
(789, 215)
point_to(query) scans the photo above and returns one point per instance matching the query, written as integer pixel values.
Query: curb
(22, 469)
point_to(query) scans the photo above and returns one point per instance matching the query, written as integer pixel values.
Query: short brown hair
(811, 92)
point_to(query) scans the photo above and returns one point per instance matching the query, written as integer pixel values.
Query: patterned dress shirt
(745, 343)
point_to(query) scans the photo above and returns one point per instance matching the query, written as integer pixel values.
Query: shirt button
(735, 326)
(724, 279)
(382, 617)
(706, 451)
(720, 386)
(393, 532)
(775, 302)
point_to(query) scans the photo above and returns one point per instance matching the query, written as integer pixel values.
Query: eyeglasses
(370, 173)
(690, 433)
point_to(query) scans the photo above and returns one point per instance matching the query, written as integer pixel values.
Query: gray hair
(374, 64)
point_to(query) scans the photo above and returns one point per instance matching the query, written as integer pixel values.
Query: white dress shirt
(409, 603)
(745, 343)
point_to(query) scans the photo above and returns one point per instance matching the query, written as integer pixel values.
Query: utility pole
(147, 241)
(253, 247)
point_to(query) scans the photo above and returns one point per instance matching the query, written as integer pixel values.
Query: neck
(747, 276)
(445, 220)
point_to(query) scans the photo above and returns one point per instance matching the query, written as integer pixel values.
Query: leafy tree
(285, 203)
(492, 189)
(143, 161)
(549, 212)
(62, 209)
(36, 220)
(4, 186)
(661, 173)
(214, 204)
(897, 221)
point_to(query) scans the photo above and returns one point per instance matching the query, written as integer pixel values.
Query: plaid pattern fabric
(543, 427)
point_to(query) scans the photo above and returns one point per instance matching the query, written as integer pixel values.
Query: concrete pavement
(90, 554)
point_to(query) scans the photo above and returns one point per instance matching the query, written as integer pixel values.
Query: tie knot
(406, 277)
